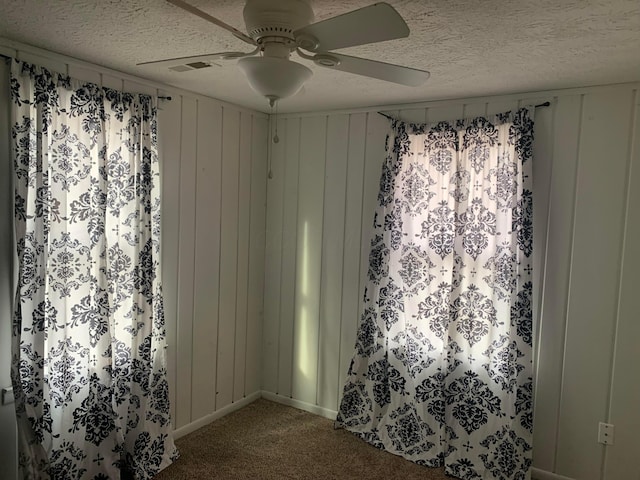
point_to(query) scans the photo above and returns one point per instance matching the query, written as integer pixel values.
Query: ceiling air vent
(198, 65)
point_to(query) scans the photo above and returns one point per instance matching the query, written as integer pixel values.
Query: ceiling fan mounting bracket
(277, 47)
(265, 18)
(287, 42)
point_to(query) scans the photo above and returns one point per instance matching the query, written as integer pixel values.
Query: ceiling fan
(277, 28)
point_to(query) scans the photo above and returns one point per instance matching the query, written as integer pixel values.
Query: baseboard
(207, 419)
(537, 474)
(292, 402)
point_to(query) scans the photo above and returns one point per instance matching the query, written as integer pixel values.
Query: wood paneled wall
(214, 190)
(587, 240)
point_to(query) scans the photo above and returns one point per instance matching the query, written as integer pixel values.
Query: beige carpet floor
(267, 440)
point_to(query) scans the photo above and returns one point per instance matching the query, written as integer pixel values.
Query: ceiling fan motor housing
(276, 20)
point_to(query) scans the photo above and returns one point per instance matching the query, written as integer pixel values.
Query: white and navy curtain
(88, 358)
(442, 372)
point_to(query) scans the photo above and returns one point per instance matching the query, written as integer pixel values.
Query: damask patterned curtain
(442, 372)
(88, 365)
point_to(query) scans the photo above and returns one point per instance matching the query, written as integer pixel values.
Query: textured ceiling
(471, 48)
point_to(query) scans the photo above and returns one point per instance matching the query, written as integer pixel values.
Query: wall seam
(215, 398)
(282, 234)
(195, 244)
(264, 259)
(295, 254)
(177, 305)
(571, 252)
(295, 290)
(344, 239)
(322, 269)
(543, 285)
(235, 303)
(281, 206)
(250, 214)
(266, 214)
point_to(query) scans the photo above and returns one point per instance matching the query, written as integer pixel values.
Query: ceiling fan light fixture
(274, 78)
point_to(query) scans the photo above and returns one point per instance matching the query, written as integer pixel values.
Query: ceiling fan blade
(375, 23)
(411, 77)
(170, 62)
(196, 11)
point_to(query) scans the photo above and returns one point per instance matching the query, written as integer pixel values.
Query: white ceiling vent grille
(190, 66)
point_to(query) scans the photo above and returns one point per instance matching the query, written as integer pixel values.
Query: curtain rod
(545, 104)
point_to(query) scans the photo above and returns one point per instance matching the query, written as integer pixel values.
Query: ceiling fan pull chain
(276, 139)
(273, 102)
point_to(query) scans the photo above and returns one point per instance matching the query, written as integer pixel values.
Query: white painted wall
(214, 166)
(587, 236)
(214, 171)
(213, 158)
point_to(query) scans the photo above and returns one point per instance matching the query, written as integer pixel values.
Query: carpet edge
(538, 474)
